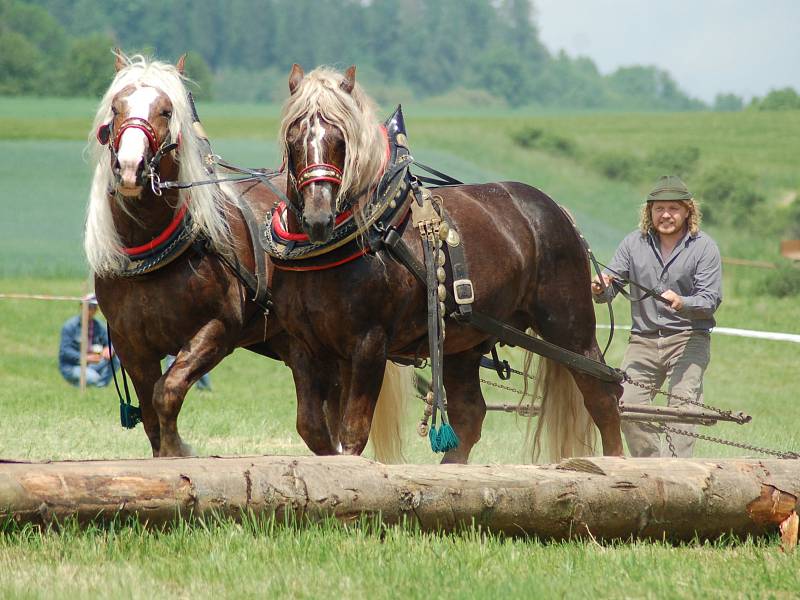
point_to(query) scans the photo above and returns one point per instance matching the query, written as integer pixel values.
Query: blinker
(104, 134)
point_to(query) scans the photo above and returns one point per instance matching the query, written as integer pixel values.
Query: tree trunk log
(605, 498)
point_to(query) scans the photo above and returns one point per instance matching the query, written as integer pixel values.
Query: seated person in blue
(99, 359)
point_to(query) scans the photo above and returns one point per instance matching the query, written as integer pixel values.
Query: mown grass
(261, 559)
(251, 409)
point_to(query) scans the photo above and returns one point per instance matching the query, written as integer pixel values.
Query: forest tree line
(481, 52)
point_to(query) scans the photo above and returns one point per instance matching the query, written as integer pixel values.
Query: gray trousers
(679, 359)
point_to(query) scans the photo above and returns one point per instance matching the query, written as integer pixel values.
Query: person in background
(99, 355)
(670, 341)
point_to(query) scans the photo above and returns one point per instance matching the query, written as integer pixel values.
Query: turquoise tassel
(444, 439)
(448, 440)
(433, 436)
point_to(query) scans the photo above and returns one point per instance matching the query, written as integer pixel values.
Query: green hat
(669, 187)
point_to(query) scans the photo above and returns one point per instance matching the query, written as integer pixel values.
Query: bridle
(104, 136)
(308, 175)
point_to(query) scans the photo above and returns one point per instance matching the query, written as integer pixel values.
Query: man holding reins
(671, 323)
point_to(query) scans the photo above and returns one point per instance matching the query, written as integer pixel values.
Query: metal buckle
(463, 298)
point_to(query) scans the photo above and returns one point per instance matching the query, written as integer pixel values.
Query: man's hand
(597, 289)
(106, 353)
(675, 300)
(93, 358)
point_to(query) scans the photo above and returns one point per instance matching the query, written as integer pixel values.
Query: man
(669, 341)
(98, 358)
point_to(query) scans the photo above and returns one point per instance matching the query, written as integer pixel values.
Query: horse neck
(147, 216)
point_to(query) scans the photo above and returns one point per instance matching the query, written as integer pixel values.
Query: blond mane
(353, 114)
(208, 203)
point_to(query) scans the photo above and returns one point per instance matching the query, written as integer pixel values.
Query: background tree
(89, 66)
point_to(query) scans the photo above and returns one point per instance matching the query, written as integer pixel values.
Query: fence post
(84, 342)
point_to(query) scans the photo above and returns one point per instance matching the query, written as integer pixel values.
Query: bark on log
(603, 497)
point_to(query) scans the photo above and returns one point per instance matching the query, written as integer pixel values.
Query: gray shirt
(693, 271)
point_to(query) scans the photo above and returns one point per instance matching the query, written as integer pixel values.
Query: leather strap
(261, 294)
(506, 333)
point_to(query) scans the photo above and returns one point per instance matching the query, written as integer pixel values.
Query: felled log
(604, 498)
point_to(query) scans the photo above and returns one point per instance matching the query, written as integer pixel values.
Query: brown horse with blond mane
(159, 255)
(525, 259)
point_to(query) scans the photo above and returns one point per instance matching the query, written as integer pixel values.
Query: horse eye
(167, 114)
(114, 111)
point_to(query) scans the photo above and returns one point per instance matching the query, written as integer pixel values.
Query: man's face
(92, 310)
(668, 216)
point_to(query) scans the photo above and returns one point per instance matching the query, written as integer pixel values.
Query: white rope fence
(747, 333)
(84, 324)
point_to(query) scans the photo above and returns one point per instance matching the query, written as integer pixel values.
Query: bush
(676, 160)
(728, 195)
(540, 139)
(728, 103)
(783, 99)
(618, 166)
(783, 281)
(89, 67)
(199, 73)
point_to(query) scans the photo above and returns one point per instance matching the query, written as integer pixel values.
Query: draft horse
(159, 256)
(524, 256)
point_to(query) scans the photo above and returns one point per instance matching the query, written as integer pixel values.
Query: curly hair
(694, 218)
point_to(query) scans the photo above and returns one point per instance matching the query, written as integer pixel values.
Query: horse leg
(315, 384)
(201, 354)
(601, 399)
(558, 315)
(466, 408)
(144, 376)
(366, 377)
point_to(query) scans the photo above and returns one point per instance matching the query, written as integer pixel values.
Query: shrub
(541, 139)
(618, 165)
(672, 160)
(727, 194)
(783, 281)
(783, 99)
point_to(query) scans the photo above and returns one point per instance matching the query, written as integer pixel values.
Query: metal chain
(668, 437)
(780, 454)
(653, 389)
(504, 387)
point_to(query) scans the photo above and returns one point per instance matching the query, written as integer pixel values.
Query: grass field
(251, 409)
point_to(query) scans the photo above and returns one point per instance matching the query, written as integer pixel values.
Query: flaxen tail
(386, 434)
(564, 427)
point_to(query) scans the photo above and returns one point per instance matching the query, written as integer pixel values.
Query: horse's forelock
(208, 203)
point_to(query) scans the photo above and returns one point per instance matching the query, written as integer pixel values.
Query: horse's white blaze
(314, 139)
(133, 141)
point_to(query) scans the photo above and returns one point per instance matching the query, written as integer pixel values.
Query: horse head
(139, 135)
(143, 134)
(332, 147)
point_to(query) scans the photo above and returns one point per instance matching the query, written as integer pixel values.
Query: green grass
(259, 559)
(252, 409)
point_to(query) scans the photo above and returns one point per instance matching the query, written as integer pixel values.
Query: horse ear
(119, 60)
(181, 63)
(349, 81)
(295, 77)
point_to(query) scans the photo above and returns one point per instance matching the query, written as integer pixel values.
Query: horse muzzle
(318, 228)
